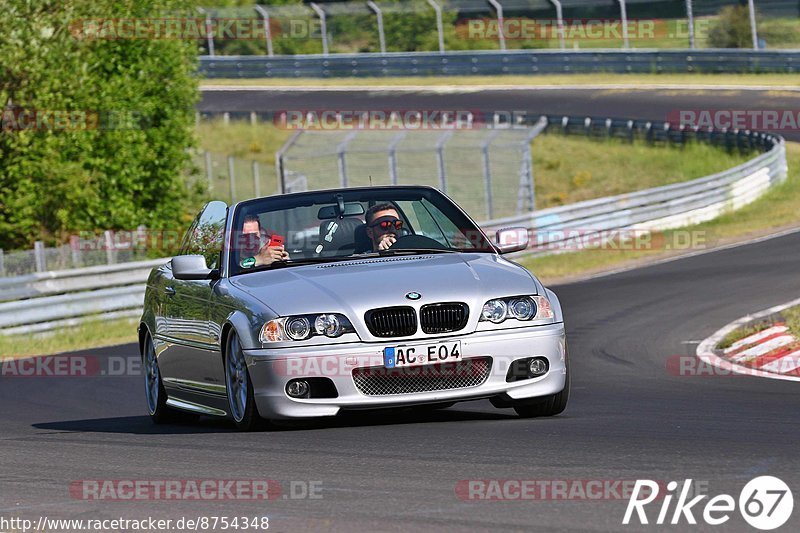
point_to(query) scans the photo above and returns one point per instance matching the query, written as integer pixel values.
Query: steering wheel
(412, 242)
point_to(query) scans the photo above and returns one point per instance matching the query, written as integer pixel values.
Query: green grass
(791, 317)
(741, 333)
(634, 80)
(91, 334)
(778, 208)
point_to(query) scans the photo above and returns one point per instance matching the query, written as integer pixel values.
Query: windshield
(334, 225)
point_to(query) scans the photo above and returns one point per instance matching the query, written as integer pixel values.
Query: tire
(551, 405)
(545, 406)
(239, 388)
(155, 394)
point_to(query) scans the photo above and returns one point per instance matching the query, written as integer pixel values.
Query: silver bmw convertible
(310, 304)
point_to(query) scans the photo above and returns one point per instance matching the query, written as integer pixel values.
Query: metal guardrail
(51, 300)
(500, 62)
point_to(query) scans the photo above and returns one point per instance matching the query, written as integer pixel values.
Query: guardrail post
(226, 118)
(267, 31)
(323, 26)
(623, 13)
(392, 152)
(209, 31)
(559, 22)
(440, 169)
(753, 28)
(256, 180)
(2, 264)
(690, 20)
(379, 14)
(253, 118)
(439, 24)
(38, 256)
(500, 28)
(232, 178)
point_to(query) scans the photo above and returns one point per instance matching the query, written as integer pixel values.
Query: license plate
(422, 354)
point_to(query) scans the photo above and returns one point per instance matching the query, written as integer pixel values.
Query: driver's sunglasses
(389, 224)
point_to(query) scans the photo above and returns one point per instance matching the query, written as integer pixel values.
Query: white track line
(705, 350)
(764, 348)
(452, 89)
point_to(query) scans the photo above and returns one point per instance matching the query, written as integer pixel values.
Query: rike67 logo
(765, 503)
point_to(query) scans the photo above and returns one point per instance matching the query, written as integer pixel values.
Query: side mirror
(511, 240)
(191, 267)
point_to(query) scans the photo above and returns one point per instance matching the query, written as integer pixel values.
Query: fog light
(537, 367)
(297, 389)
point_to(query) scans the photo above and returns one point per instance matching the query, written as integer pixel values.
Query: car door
(191, 359)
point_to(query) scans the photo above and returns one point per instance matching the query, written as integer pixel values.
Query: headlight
(523, 308)
(298, 328)
(328, 325)
(494, 311)
(302, 327)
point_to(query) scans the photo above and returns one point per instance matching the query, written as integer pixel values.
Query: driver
(383, 224)
(256, 249)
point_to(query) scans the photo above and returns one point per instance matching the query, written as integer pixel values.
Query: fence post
(253, 118)
(256, 180)
(501, 34)
(232, 178)
(379, 14)
(393, 178)
(38, 255)
(108, 239)
(439, 25)
(209, 31)
(75, 249)
(226, 118)
(559, 22)
(267, 30)
(753, 28)
(690, 17)
(623, 13)
(323, 26)
(341, 150)
(2, 264)
(440, 142)
(487, 174)
(209, 171)
(280, 169)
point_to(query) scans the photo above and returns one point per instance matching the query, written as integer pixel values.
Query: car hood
(354, 287)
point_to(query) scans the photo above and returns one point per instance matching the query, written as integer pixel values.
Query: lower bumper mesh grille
(380, 381)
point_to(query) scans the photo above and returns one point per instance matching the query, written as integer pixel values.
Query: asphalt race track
(616, 103)
(395, 471)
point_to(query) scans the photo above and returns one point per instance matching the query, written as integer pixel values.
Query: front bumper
(271, 369)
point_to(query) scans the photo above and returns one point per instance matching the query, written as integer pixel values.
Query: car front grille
(443, 317)
(380, 381)
(392, 321)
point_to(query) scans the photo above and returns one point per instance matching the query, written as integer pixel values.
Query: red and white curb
(771, 353)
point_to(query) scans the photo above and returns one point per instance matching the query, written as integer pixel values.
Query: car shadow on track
(142, 425)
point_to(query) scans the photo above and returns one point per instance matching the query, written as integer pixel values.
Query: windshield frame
(355, 194)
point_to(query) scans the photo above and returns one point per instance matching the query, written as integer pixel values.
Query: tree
(95, 131)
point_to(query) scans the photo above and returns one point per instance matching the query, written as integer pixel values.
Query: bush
(732, 29)
(121, 164)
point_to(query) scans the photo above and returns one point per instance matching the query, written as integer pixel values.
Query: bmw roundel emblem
(413, 296)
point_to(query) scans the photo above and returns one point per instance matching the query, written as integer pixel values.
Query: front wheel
(241, 398)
